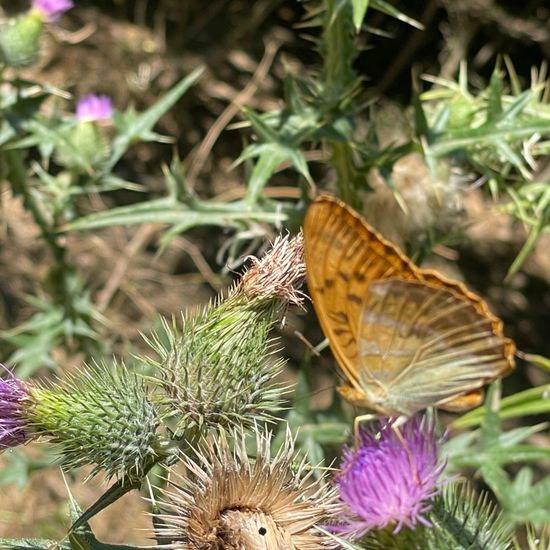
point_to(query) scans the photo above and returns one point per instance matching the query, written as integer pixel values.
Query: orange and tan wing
(344, 256)
(422, 346)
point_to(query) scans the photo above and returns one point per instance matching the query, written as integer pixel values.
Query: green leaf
(59, 137)
(538, 360)
(388, 9)
(142, 125)
(527, 248)
(459, 139)
(170, 212)
(522, 502)
(501, 456)
(266, 164)
(490, 428)
(359, 11)
(16, 471)
(524, 403)
(494, 102)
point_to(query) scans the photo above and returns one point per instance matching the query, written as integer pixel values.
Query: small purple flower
(389, 478)
(94, 107)
(13, 394)
(52, 9)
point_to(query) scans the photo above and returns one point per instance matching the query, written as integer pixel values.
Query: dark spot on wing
(339, 316)
(343, 276)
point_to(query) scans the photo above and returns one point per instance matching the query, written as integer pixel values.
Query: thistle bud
(103, 417)
(227, 500)
(51, 10)
(87, 135)
(216, 369)
(20, 40)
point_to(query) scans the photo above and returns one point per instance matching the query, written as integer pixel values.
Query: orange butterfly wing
(344, 256)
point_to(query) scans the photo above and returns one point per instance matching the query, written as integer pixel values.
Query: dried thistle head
(278, 273)
(417, 203)
(216, 368)
(227, 500)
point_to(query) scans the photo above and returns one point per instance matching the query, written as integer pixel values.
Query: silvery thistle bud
(20, 36)
(88, 134)
(100, 416)
(216, 369)
(20, 40)
(227, 500)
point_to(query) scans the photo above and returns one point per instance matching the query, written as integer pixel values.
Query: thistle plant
(212, 377)
(216, 369)
(51, 159)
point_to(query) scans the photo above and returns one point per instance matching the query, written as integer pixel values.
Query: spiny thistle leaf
(460, 520)
(215, 368)
(102, 416)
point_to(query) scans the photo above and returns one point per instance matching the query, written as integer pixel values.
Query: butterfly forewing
(421, 346)
(340, 261)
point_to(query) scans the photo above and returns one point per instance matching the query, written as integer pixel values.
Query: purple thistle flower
(94, 107)
(52, 9)
(13, 393)
(389, 478)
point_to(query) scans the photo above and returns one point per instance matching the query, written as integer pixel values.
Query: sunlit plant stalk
(339, 82)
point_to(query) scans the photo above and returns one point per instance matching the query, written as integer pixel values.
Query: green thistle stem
(339, 80)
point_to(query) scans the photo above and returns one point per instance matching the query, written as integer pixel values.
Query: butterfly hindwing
(422, 346)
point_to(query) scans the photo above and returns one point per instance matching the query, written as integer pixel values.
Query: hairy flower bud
(216, 369)
(100, 416)
(20, 40)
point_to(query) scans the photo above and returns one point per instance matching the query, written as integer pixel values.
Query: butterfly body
(406, 338)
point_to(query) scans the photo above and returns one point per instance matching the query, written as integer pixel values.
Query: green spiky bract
(460, 520)
(534, 539)
(100, 416)
(215, 368)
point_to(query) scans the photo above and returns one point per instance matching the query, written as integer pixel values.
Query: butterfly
(406, 338)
